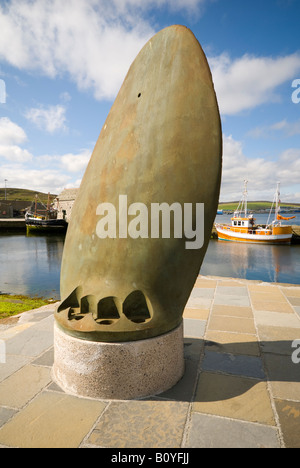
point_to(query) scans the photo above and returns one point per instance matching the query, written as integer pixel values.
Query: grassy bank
(256, 205)
(23, 195)
(12, 305)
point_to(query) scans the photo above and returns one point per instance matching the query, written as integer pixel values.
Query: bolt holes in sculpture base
(108, 318)
(106, 322)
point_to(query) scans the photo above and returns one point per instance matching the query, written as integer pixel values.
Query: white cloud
(190, 6)
(41, 180)
(286, 128)
(48, 172)
(15, 153)
(42, 174)
(76, 162)
(92, 41)
(11, 133)
(65, 97)
(51, 119)
(11, 136)
(247, 82)
(75, 184)
(95, 41)
(261, 174)
(80, 38)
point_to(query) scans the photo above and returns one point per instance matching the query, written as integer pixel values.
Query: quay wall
(11, 224)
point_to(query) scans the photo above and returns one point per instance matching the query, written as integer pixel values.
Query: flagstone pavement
(241, 386)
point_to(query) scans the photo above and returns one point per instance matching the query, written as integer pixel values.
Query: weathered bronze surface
(161, 143)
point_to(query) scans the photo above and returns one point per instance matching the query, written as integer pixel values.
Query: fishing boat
(44, 220)
(244, 229)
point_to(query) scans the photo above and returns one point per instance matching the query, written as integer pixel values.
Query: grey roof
(68, 194)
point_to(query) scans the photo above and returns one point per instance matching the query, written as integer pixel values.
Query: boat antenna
(243, 202)
(245, 196)
(277, 198)
(276, 202)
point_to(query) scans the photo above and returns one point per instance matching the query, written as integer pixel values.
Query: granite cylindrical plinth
(122, 371)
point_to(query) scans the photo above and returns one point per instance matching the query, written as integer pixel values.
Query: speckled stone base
(122, 371)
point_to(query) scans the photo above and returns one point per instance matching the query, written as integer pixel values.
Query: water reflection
(31, 264)
(271, 263)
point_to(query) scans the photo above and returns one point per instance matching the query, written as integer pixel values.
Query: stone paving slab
(231, 299)
(289, 415)
(232, 311)
(141, 424)
(233, 343)
(241, 386)
(248, 366)
(194, 328)
(297, 310)
(233, 397)
(33, 378)
(208, 431)
(51, 420)
(232, 324)
(232, 290)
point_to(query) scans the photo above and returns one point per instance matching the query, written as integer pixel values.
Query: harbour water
(270, 263)
(30, 265)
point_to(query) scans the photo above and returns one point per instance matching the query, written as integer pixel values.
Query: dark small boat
(37, 222)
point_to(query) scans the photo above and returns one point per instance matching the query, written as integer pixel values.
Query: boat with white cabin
(244, 229)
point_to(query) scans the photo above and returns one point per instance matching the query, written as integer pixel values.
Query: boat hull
(284, 237)
(41, 225)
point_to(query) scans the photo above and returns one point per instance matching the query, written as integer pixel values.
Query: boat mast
(277, 200)
(245, 196)
(48, 207)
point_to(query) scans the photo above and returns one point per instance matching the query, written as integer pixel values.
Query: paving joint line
(269, 388)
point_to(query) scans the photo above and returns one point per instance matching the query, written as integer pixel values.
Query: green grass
(258, 205)
(11, 305)
(23, 195)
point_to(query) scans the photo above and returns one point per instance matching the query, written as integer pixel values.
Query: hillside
(256, 205)
(23, 195)
(29, 195)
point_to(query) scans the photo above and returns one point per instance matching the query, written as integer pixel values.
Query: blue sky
(62, 64)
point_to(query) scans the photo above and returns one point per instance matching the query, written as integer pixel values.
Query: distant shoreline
(257, 206)
(18, 224)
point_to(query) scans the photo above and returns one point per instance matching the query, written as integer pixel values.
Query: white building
(65, 203)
